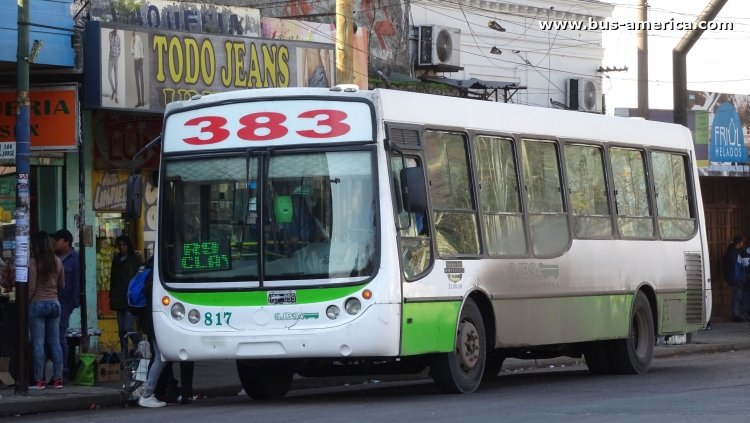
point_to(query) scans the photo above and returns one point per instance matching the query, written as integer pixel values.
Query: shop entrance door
(722, 224)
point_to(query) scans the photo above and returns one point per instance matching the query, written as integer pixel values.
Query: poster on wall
(721, 132)
(145, 70)
(119, 136)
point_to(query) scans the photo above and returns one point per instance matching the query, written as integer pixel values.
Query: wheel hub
(468, 345)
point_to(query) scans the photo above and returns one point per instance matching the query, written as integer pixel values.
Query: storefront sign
(727, 140)
(53, 114)
(118, 136)
(179, 16)
(721, 129)
(110, 191)
(144, 71)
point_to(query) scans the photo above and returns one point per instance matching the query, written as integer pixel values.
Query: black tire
(634, 354)
(492, 367)
(597, 358)
(263, 380)
(461, 370)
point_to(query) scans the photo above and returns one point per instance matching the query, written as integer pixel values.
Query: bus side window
(548, 220)
(450, 190)
(675, 216)
(587, 186)
(413, 228)
(634, 219)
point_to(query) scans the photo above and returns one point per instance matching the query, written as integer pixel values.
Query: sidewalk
(219, 378)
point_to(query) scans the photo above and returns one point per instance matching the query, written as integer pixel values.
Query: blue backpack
(137, 290)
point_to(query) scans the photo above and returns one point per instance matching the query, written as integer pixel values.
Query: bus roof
(482, 116)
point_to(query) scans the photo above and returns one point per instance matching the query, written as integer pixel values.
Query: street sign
(8, 152)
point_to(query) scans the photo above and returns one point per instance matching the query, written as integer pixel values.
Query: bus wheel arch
(494, 361)
(461, 370)
(634, 354)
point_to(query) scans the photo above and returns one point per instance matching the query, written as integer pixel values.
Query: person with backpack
(125, 265)
(139, 297)
(163, 387)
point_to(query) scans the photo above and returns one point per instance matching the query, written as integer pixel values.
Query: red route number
(264, 126)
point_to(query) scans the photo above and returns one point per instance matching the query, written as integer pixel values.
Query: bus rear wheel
(461, 370)
(264, 380)
(634, 354)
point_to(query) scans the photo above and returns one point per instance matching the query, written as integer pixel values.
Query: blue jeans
(154, 371)
(125, 324)
(737, 300)
(44, 321)
(65, 312)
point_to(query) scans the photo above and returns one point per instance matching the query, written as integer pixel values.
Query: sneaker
(58, 383)
(40, 384)
(151, 402)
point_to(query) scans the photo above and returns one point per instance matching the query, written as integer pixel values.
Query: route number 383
(265, 126)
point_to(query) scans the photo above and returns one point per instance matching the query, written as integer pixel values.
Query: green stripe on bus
(260, 298)
(429, 327)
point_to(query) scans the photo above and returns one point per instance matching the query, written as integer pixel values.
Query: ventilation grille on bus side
(694, 274)
(405, 138)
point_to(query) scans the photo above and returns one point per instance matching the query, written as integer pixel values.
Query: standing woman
(46, 278)
(125, 264)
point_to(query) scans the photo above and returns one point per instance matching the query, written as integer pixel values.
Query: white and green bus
(337, 231)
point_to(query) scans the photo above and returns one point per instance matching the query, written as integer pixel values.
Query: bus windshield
(282, 219)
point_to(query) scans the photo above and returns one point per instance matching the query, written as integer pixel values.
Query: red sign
(118, 136)
(53, 117)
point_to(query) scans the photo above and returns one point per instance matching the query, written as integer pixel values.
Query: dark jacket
(119, 278)
(146, 318)
(71, 295)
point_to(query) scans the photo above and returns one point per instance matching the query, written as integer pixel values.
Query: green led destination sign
(204, 256)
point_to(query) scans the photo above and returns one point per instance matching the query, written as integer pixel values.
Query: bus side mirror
(413, 190)
(134, 197)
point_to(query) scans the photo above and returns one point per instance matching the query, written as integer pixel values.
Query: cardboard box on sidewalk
(5, 377)
(108, 372)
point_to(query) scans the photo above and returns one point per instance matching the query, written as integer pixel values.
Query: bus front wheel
(461, 370)
(263, 380)
(633, 355)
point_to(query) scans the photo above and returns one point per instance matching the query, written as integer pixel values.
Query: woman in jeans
(146, 322)
(46, 278)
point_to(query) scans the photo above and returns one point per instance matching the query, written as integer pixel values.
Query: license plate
(282, 297)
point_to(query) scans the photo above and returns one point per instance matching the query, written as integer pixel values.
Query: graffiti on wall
(288, 29)
(385, 22)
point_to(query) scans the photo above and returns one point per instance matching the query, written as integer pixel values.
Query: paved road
(695, 388)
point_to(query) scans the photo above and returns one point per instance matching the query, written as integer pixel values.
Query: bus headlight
(194, 316)
(178, 311)
(352, 306)
(332, 312)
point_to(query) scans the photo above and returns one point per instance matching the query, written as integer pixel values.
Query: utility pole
(23, 131)
(643, 61)
(344, 35)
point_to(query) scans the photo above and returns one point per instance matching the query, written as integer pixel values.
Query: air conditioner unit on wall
(584, 95)
(438, 45)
